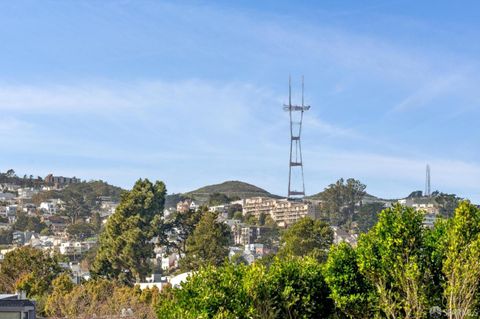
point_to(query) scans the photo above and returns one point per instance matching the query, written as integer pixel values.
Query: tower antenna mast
(296, 160)
(428, 192)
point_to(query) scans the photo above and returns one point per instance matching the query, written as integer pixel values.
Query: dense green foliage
(339, 201)
(125, 245)
(289, 288)
(307, 237)
(180, 227)
(232, 209)
(216, 199)
(28, 223)
(392, 258)
(401, 269)
(353, 294)
(208, 244)
(30, 270)
(9, 177)
(367, 216)
(80, 230)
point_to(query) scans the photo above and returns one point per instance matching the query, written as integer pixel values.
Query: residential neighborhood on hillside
(239, 159)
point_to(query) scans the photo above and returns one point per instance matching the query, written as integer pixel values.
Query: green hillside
(232, 189)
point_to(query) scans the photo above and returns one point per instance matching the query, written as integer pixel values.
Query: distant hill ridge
(368, 197)
(231, 189)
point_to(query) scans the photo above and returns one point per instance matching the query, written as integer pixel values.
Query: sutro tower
(296, 186)
(428, 192)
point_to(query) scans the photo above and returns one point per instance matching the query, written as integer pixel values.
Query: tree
(340, 201)
(297, 289)
(448, 203)
(181, 226)
(307, 237)
(392, 258)
(208, 244)
(102, 298)
(233, 209)
(61, 286)
(211, 292)
(125, 245)
(75, 205)
(354, 192)
(10, 173)
(96, 222)
(216, 199)
(28, 223)
(270, 237)
(367, 216)
(250, 219)
(289, 288)
(333, 202)
(350, 290)
(238, 216)
(30, 270)
(461, 265)
(80, 230)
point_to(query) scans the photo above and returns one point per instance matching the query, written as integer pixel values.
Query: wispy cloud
(398, 175)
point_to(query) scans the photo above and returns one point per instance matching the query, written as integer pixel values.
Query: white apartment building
(282, 211)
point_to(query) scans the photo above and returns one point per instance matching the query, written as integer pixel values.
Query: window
(10, 315)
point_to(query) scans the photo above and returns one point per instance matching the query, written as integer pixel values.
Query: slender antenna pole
(289, 90)
(303, 89)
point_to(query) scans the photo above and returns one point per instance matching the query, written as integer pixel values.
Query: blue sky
(191, 92)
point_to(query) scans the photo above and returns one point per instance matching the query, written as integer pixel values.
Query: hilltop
(232, 189)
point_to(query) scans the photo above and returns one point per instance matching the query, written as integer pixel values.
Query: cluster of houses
(16, 201)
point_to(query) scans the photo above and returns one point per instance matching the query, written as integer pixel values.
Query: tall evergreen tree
(126, 242)
(208, 245)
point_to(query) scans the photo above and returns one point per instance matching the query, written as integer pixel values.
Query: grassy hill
(232, 189)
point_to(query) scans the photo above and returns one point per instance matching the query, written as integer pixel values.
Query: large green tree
(392, 258)
(461, 265)
(307, 237)
(126, 246)
(339, 201)
(352, 293)
(29, 269)
(208, 244)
